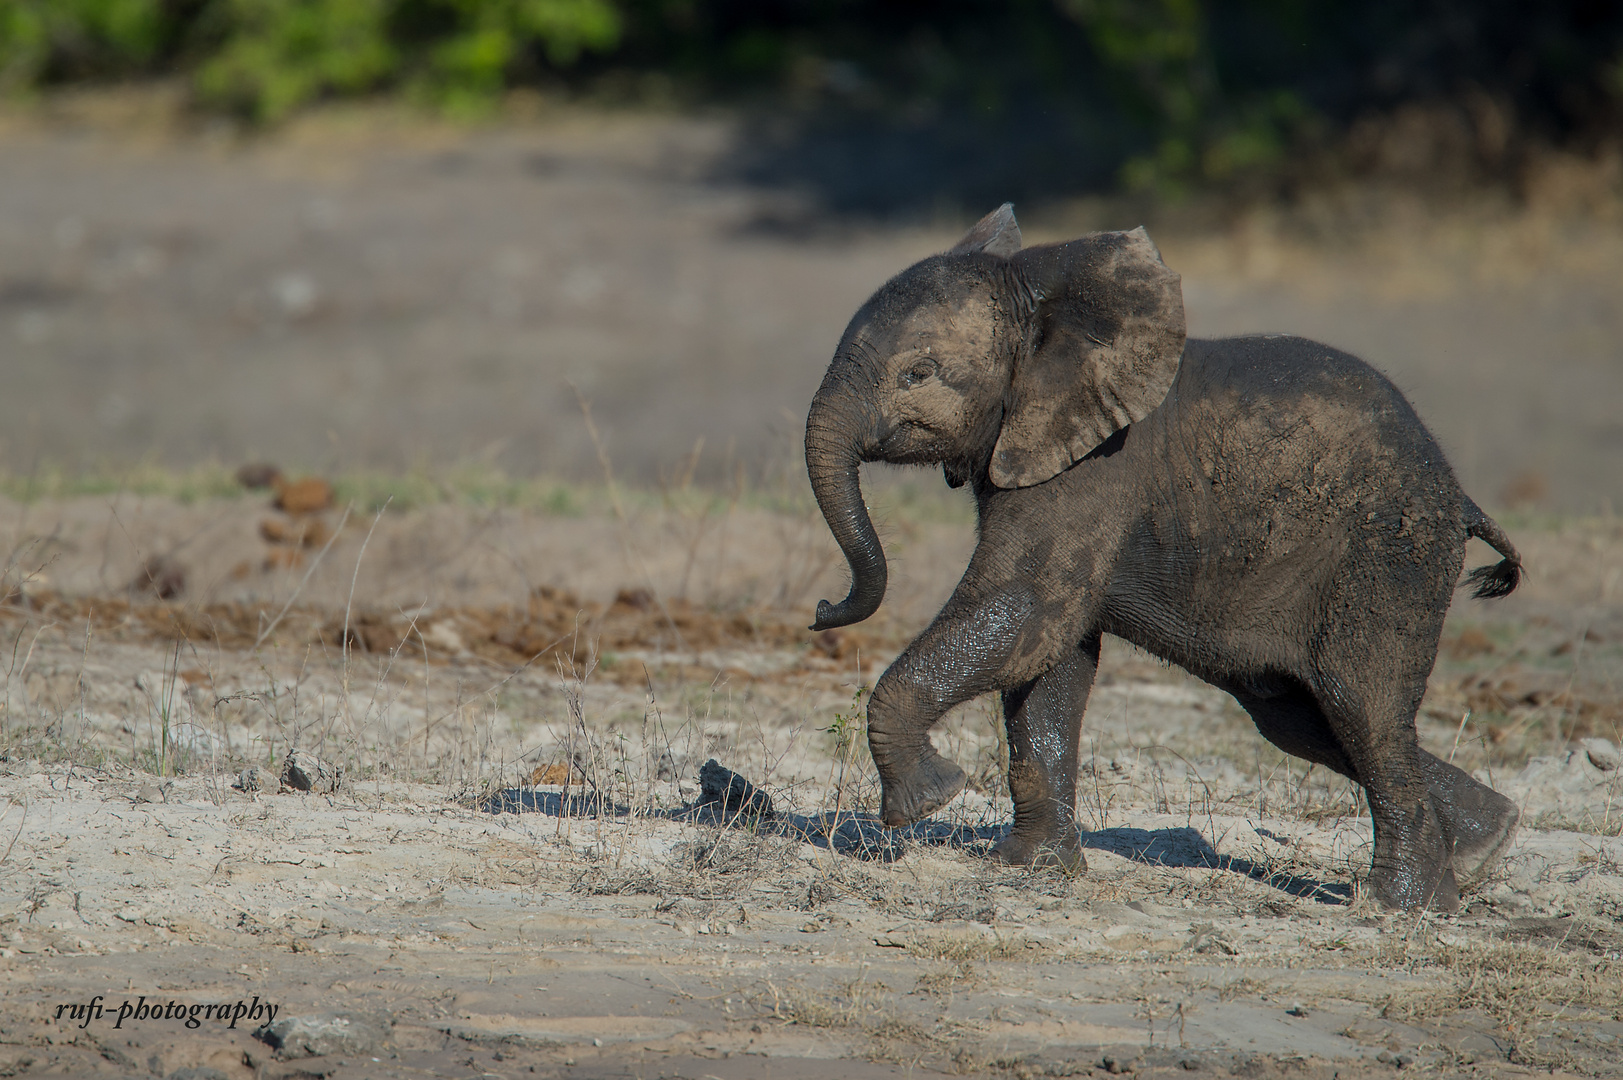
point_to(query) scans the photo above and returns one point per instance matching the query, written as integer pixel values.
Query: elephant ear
(996, 234)
(1109, 332)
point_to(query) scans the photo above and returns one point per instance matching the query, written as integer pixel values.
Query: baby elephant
(1266, 512)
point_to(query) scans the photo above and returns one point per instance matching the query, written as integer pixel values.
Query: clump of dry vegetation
(1553, 977)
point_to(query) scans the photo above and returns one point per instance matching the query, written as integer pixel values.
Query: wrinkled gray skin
(1266, 512)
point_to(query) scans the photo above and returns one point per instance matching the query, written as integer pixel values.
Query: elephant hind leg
(1293, 721)
(1373, 720)
(1480, 822)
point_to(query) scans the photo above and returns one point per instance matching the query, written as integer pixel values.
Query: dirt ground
(455, 909)
(504, 867)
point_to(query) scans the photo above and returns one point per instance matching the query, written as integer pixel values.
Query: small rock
(1602, 753)
(734, 795)
(251, 779)
(306, 772)
(198, 1072)
(634, 599)
(443, 635)
(162, 577)
(327, 1033)
(310, 495)
(258, 475)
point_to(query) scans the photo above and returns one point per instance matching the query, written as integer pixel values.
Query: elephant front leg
(1044, 719)
(967, 651)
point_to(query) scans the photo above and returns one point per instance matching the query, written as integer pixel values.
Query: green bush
(490, 41)
(275, 55)
(43, 40)
(272, 56)
(262, 59)
(1161, 94)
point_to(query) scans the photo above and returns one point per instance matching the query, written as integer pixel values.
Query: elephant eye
(919, 371)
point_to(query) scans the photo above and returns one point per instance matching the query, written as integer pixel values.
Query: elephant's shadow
(860, 836)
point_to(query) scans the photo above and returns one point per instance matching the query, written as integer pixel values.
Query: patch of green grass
(145, 478)
(903, 500)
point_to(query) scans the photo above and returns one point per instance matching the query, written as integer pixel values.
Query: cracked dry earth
(446, 912)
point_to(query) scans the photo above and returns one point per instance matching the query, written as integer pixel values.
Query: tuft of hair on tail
(1500, 579)
(1492, 582)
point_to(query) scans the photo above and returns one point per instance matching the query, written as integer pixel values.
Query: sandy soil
(465, 916)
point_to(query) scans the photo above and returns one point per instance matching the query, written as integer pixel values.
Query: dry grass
(863, 1006)
(1527, 989)
(976, 947)
(1606, 820)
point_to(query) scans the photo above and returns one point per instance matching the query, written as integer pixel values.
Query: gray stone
(325, 1033)
(1120, 1061)
(733, 795)
(304, 771)
(1602, 753)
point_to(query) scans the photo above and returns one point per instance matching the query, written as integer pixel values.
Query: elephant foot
(1480, 842)
(1044, 832)
(918, 789)
(1412, 870)
(1409, 890)
(1058, 849)
(1482, 822)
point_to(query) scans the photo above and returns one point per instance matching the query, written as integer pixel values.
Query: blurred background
(400, 236)
(527, 300)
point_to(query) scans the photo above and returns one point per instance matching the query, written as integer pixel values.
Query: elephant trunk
(834, 451)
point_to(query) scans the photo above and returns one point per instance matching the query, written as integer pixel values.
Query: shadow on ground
(861, 836)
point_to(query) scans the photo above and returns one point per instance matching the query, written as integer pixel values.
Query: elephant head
(1001, 364)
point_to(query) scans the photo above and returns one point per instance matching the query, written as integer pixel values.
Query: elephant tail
(1500, 579)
